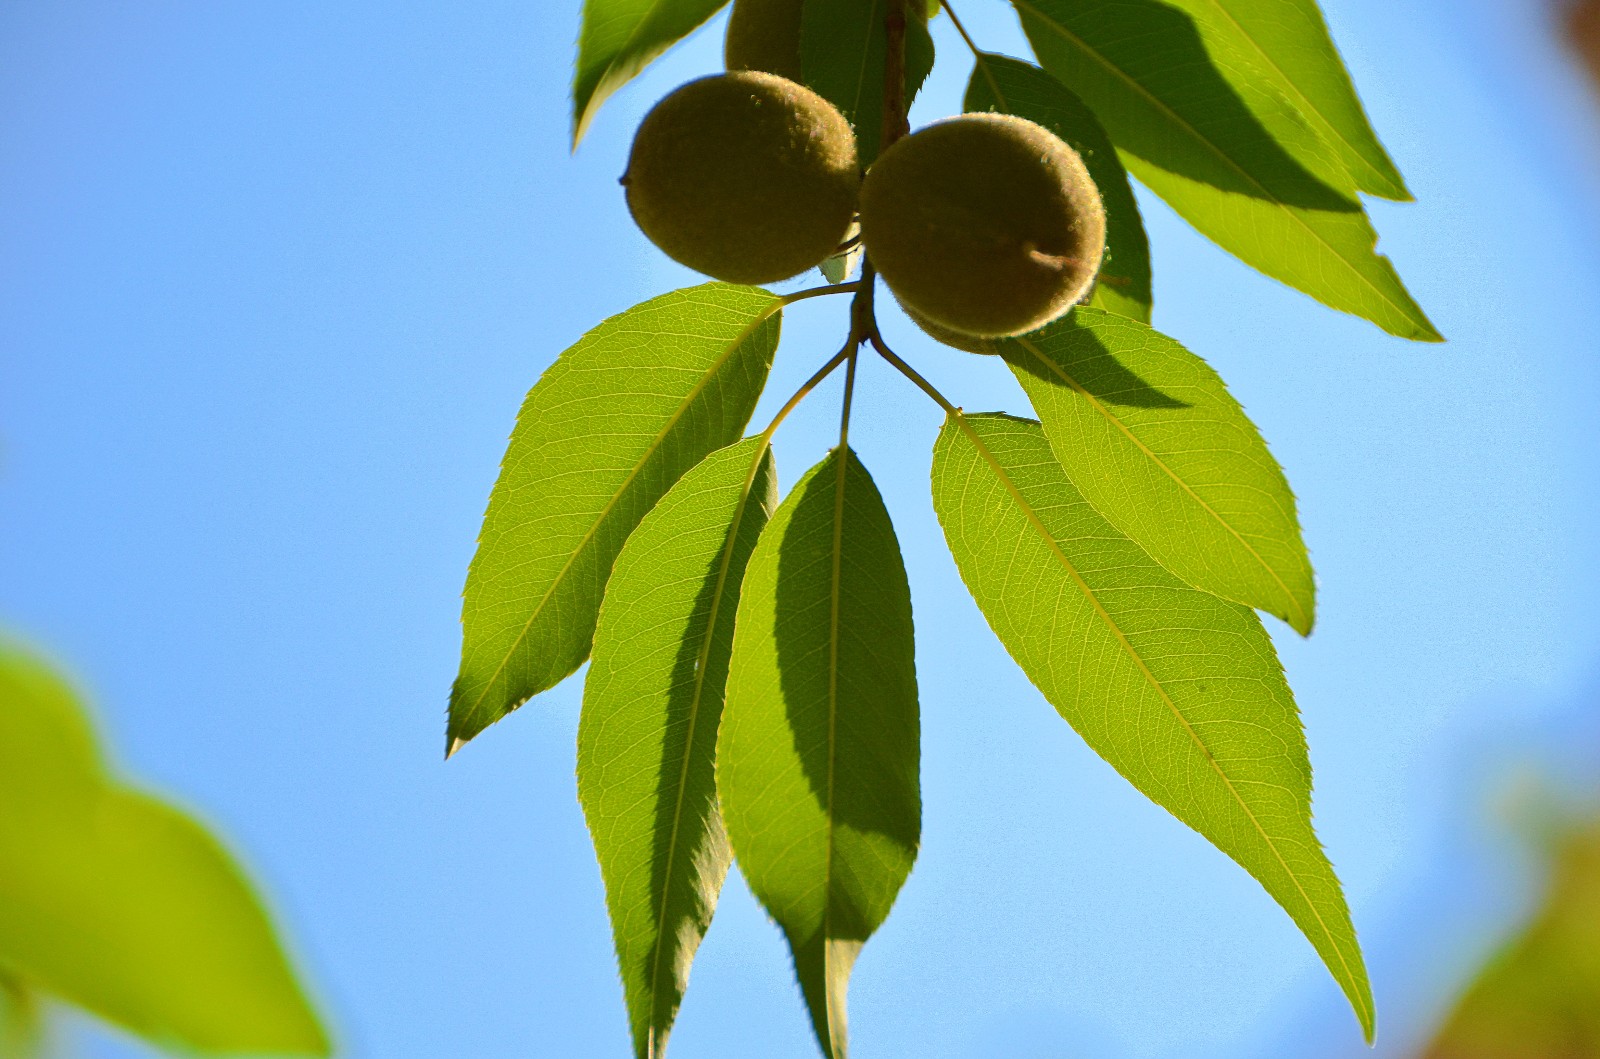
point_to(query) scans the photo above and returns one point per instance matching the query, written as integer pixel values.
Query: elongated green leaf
(1010, 86)
(842, 48)
(817, 759)
(647, 741)
(606, 431)
(121, 905)
(1225, 151)
(1150, 436)
(1181, 692)
(1286, 44)
(619, 39)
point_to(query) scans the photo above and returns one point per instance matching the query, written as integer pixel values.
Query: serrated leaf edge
(1363, 1003)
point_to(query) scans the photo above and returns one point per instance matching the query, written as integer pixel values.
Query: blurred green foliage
(1539, 995)
(120, 904)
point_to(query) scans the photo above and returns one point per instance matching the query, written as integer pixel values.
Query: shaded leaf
(1150, 436)
(1224, 150)
(843, 44)
(818, 755)
(648, 736)
(619, 39)
(122, 905)
(606, 431)
(1181, 692)
(1011, 86)
(22, 1028)
(1286, 44)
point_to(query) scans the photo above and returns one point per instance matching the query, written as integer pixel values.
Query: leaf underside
(1288, 47)
(818, 754)
(608, 429)
(1181, 692)
(651, 706)
(1224, 148)
(619, 39)
(1010, 86)
(122, 905)
(1150, 436)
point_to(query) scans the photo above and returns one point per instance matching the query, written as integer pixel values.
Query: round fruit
(956, 339)
(986, 224)
(745, 176)
(764, 35)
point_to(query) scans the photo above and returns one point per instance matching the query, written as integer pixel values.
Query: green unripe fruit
(746, 177)
(986, 224)
(764, 35)
(957, 339)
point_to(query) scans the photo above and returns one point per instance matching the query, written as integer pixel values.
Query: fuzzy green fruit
(764, 35)
(955, 339)
(986, 224)
(747, 177)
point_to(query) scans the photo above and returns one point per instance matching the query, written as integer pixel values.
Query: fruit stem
(956, 22)
(894, 75)
(911, 373)
(817, 292)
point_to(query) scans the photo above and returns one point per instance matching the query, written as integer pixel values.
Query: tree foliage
(752, 697)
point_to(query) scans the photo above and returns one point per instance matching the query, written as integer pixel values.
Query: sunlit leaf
(818, 755)
(606, 431)
(843, 45)
(122, 905)
(1225, 150)
(1286, 44)
(1150, 436)
(1010, 86)
(1539, 995)
(651, 707)
(619, 39)
(1181, 692)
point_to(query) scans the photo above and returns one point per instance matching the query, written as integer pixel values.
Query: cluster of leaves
(752, 691)
(120, 904)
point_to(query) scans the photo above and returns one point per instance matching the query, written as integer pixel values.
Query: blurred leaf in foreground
(1539, 995)
(122, 905)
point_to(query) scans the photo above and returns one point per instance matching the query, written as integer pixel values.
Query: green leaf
(619, 39)
(1010, 86)
(1286, 44)
(1224, 150)
(843, 44)
(603, 435)
(1150, 436)
(122, 905)
(1181, 692)
(647, 740)
(817, 759)
(22, 1028)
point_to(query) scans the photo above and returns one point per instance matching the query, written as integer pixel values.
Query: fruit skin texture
(764, 35)
(956, 339)
(986, 224)
(746, 176)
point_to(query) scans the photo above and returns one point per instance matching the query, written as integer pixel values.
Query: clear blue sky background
(274, 278)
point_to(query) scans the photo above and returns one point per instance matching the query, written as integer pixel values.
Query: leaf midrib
(1083, 46)
(843, 455)
(1294, 604)
(1122, 639)
(724, 563)
(655, 446)
(1309, 107)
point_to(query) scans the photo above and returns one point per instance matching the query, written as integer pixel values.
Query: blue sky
(274, 279)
